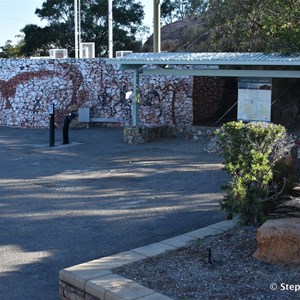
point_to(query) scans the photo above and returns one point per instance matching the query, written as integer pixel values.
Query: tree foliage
(172, 10)
(253, 25)
(251, 152)
(59, 33)
(9, 50)
(240, 26)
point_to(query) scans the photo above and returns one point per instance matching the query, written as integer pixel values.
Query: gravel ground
(230, 272)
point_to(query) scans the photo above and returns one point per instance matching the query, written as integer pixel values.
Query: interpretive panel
(254, 99)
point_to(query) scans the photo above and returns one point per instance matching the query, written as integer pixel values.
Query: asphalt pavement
(65, 205)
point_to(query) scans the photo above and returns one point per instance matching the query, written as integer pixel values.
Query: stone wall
(166, 100)
(192, 132)
(208, 98)
(28, 87)
(143, 134)
(69, 292)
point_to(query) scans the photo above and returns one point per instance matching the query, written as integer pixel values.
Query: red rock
(279, 241)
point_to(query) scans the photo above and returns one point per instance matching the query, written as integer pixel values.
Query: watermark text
(285, 287)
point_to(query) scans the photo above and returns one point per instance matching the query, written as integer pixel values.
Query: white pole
(79, 29)
(76, 27)
(77, 22)
(110, 29)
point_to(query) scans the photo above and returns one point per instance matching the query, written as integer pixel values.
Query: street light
(77, 21)
(110, 29)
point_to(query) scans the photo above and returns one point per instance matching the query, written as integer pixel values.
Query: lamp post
(156, 25)
(110, 29)
(77, 22)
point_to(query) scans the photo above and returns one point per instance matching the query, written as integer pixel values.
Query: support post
(51, 126)
(136, 98)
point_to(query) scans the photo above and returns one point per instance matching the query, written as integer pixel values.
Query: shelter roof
(232, 64)
(208, 58)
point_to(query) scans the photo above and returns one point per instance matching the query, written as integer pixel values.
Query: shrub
(251, 151)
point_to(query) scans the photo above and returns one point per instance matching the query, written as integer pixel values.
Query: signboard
(51, 109)
(84, 115)
(254, 99)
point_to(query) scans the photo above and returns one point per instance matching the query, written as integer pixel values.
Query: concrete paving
(95, 197)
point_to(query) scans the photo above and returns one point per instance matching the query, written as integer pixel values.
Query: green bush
(251, 151)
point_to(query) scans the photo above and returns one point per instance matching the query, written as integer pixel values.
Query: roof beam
(223, 73)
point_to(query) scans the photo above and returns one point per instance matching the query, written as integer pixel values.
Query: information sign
(254, 99)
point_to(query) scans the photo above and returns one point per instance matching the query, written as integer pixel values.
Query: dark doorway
(214, 97)
(286, 102)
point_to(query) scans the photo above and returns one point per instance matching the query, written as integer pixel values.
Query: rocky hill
(182, 35)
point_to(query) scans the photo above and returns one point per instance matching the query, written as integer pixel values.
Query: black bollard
(51, 126)
(67, 122)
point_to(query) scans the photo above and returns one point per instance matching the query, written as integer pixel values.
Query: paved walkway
(69, 204)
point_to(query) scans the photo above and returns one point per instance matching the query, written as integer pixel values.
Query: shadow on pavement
(97, 196)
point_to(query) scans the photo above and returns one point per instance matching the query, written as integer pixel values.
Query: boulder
(182, 34)
(279, 241)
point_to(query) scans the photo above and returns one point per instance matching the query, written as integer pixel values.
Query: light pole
(156, 25)
(110, 29)
(77, 22)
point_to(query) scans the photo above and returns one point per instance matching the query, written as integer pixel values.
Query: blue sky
(15, 14)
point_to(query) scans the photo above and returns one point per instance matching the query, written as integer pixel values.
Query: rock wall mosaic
(29, 87)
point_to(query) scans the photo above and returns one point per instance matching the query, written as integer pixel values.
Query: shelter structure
(250, 65)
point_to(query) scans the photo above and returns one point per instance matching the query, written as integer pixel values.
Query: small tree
(251, 152)
(9, 50)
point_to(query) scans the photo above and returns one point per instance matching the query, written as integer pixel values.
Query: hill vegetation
(233, 26)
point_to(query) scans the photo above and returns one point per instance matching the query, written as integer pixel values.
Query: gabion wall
(29, 86)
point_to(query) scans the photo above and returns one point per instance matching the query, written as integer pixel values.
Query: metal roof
(207, 58)
(211, 64)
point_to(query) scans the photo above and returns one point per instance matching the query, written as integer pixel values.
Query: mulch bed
(217, 267)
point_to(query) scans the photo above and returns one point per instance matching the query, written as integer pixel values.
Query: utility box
(84, 115)
(123, 53)
(58, 53)
(87, 50)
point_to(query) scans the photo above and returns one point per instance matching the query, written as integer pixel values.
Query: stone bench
(104, 120)
(84, 117)
(107, 122)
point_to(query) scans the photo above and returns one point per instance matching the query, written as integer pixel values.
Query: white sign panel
(84, 115)
(51, 109)
(254, 99)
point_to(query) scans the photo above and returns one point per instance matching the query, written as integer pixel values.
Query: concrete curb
(96, 278)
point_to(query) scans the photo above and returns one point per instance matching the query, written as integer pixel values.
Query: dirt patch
(230, 272)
